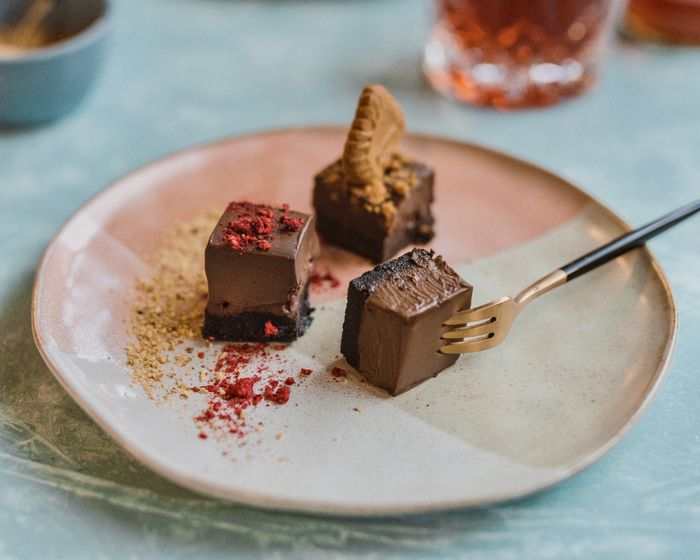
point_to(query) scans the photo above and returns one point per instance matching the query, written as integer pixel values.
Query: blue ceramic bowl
(43, 84)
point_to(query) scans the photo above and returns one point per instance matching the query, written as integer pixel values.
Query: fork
(481, 328)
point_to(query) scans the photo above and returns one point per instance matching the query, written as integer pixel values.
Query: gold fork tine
(470, 346)
(480, 313)
(476, 330)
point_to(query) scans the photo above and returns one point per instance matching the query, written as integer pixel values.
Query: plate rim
(266, 502)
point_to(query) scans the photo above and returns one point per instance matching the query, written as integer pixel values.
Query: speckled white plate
(578, 370)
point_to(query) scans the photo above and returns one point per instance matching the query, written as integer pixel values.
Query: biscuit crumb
(167, 305)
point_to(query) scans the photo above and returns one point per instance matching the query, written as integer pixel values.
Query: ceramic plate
(577, 371)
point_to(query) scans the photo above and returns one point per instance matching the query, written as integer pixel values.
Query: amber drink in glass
(516, 53)
(669, 21)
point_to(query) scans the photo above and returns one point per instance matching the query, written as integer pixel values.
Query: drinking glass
(670, 21)
(516, 53)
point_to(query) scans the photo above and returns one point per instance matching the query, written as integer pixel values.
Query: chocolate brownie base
(344, 221)
(377, 248)
(249, 326)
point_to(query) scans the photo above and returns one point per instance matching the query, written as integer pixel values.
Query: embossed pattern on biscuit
(377, 128)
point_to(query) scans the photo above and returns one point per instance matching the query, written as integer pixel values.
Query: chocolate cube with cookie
(374, 200)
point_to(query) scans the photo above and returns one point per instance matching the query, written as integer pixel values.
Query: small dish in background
(43, 83)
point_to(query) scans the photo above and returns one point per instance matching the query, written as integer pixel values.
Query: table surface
(182, 72)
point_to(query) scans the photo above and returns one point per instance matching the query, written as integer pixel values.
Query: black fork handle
(628, 241)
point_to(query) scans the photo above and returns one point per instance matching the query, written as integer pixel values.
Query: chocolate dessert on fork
(394, 319)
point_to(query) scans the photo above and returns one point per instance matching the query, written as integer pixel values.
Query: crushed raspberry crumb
(292, 224)
(236, 391)
(339, 372)
(270, 329)
(305, 371)
(266, 212)
(279, 396)
(243, 388)
(319, 281)
(255, 226)
(200, 355)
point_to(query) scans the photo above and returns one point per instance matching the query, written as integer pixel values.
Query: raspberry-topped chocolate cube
(257, 263)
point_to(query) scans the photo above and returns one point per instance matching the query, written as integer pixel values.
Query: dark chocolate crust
(343, 221)
(350, 341)
(249, 326)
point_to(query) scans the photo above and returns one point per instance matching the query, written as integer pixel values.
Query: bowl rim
(86, 36)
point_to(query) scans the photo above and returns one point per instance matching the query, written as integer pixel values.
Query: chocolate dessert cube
(374, 201)
(376, 233)
(257, 263)
(394, 317)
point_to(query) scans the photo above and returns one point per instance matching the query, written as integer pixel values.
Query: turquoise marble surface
(181, 72)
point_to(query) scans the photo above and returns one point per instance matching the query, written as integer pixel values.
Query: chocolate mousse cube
(257, 261)
(394, 317)
(376, 232)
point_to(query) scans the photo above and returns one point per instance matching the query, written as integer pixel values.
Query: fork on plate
(483, 327)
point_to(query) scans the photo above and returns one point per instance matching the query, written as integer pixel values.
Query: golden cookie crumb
(167, 306)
